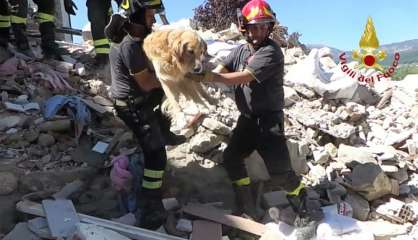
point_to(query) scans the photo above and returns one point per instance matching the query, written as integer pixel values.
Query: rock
(361, 207)
(290, 96)
(184, 225)
(401, 175)
(298, 152)
(46, 140)
(203, 142)
(385, 230)
(371, 182)
(331, 149)
(302, 90)
(7, 122)
(335, 192)
(321, 156)
(216, 126)
(8, 183)
(352, 155)
(256, 168)
(21, 231)
(56, 126)
(274, 199)
(397, 211)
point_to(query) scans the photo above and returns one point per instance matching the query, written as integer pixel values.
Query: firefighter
(99, 12)
(136, 92)
(15, 16)
(257, 69)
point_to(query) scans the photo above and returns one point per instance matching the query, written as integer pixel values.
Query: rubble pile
(354, 144)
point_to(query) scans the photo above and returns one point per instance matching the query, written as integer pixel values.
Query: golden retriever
(174, 53)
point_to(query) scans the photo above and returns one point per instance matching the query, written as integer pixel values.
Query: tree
(217, 14)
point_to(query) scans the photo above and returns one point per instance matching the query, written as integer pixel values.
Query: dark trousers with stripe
(266, 135)
(46, 18)
(146, 126)
(99, 13)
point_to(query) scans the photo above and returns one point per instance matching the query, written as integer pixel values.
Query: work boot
(19, 30)
(308, 209)
(101, 60)
(49, 47)
(245, 201)
(151, 213)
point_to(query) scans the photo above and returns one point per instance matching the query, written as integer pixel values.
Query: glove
(69, 6)
(201, 77)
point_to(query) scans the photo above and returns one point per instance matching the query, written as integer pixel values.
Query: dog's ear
(180, 48)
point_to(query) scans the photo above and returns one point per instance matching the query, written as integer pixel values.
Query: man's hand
(201, 77)
(69, 6)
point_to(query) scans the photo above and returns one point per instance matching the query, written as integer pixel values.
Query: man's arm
(221, 74)
(146, 80)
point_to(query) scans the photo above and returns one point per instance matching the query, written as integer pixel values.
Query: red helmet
(258, 11)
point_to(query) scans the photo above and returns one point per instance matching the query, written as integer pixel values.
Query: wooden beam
(218, 216)
(126, 230)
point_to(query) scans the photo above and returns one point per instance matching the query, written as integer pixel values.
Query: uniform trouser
(266, 135)
(144, 123)
(17, 20)
(4, 23)
(46, 18)
(99, 12)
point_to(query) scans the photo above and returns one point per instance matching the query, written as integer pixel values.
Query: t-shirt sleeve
(265, 64)
(228, 62)
(134, 57)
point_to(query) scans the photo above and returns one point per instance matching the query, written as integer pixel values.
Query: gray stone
(352, 155)
(204, 142)
(274, 199)
(298, 152)
(7, 122)
(46, 140)
(361, 207)
(290, 96)
(401, 175)
(216, 126)
(371, 182)
(256, 168)
(321, 156)
(8, 183)
(56, 126)
(331, 149)
(20, 232)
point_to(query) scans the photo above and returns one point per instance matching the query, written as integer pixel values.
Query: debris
(93, 232)
(100, 147)
(7, 122)
(61, 216)
(21, 231)
(274, 199)
(352, 155)
(215, 215)
(184, 225)
(371, 182)
(8, 183)
(46, 140)
(69, 189)
(397, 211)
(216, 126)
(206, 230)
(361, 207)
(126, 230)
(203, 142)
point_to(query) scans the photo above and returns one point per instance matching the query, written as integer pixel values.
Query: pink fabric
(120, 175)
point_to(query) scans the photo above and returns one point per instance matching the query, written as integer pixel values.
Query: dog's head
(190, 50)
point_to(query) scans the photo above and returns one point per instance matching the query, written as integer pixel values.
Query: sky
(335, 23)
